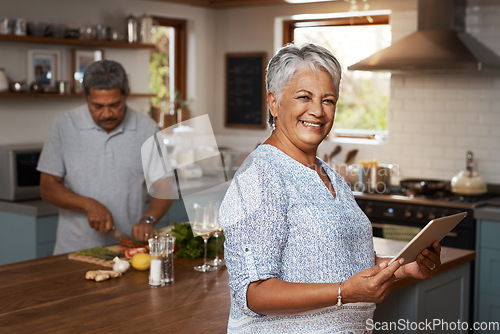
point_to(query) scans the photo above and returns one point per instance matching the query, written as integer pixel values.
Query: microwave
(19, 179)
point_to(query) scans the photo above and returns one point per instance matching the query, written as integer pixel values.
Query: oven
(408, 213)
(401, 217)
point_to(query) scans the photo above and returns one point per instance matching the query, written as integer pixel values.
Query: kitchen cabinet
(487, 285)
(26, 237)
(445, 297)
(69, 42)
(28, 228)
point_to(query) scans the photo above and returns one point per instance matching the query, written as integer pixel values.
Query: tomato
(130, 252)
(127, 243)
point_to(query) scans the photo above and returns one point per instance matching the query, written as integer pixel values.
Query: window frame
(288, 37)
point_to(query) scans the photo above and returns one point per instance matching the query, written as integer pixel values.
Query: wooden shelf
(56, 96)
(74, 41)
(67, 42)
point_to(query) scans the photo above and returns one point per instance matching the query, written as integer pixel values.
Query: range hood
(439, 45)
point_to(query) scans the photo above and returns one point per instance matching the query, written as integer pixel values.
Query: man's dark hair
(105, 74)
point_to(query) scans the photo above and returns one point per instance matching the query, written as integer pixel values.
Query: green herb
(100, 253)
(191, 247)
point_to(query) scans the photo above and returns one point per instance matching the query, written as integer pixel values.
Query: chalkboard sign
(245, 107)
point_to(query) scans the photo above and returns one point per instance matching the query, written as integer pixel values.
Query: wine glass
(204, 226)
(217, 261)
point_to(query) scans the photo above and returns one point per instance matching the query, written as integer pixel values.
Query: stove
(410, 212)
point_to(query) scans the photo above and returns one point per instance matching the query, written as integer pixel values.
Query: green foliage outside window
(159, 70)
(364, 96)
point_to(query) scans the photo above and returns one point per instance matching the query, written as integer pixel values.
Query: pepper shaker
(168, 243)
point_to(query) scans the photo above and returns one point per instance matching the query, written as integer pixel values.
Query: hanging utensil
(328, 157)
(350, 156)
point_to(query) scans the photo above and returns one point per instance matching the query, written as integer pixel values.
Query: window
(362, 109)
(167, 68)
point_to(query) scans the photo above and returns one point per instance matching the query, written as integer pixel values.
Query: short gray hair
(290, 58)
(105, 74)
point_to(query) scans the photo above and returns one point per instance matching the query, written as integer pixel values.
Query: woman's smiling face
(305, 114)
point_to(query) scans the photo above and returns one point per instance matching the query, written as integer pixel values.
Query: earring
(273, 126)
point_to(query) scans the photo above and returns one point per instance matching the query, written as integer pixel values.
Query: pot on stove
(468, 181)
(424, 186)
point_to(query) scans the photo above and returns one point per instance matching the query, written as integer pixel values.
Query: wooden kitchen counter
(51, 295)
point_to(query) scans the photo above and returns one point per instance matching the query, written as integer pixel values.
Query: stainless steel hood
(439, 45)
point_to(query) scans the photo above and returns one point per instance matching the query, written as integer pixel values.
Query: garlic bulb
(120, 265)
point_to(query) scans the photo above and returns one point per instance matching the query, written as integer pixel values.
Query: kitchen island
(51, 295)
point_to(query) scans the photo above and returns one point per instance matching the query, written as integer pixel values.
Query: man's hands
(99, 217)
(142, 231)
(101, 220)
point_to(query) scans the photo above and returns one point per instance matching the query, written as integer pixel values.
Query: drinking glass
(204, 226)
(217, 262)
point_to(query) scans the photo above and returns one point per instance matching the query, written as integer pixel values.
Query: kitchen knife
(118, 235)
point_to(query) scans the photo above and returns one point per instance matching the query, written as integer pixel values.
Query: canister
(131, 29)
(145, 27)
(63, 87)
(19, 27)
(375, 179)
(4, 26)
(4, 81)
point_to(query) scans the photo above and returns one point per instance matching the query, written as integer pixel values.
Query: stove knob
(407, 213)
(420, 215)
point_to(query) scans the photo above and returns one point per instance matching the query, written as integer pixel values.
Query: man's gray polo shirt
(105, 167)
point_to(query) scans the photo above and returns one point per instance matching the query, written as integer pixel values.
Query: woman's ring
(147, 235)
(433, 266)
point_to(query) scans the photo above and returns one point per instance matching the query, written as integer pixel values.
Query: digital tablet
(435, 230)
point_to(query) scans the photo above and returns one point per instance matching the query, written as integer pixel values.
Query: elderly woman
(298, 248)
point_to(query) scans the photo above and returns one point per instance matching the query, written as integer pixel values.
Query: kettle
(468, 181)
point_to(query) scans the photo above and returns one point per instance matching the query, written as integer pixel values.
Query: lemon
(140, 261)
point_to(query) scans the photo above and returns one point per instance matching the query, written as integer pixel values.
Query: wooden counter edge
(444, 267)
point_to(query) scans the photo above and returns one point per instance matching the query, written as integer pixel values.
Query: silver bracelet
(339, 296)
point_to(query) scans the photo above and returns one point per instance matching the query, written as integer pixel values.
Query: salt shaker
(168, 243)
(155, 268)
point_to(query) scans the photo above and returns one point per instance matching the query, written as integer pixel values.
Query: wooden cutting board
(94, 260)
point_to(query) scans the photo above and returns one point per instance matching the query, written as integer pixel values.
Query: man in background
(91, 166)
